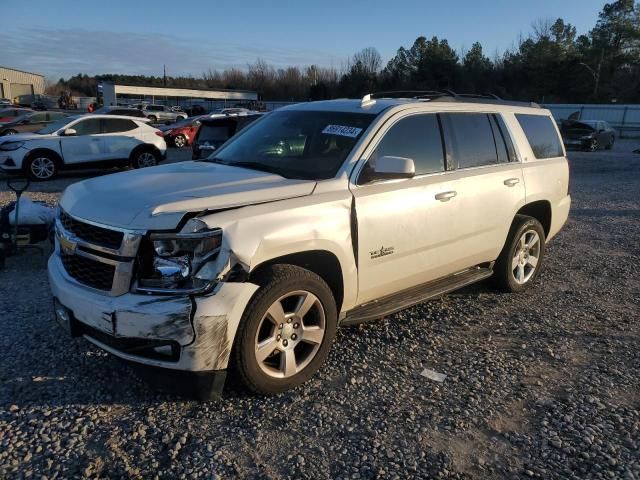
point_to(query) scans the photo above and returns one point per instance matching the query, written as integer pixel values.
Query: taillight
(159, 133)
(568, 176)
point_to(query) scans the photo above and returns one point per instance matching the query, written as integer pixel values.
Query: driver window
(416, 137)
(90, 126)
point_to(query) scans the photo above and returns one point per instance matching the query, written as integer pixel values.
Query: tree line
(551, 64)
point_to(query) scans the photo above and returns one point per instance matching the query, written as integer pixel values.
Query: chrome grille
(97, 257)
(89, 272)
(91, 233)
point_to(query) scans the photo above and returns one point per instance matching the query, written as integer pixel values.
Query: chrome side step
(399, 301)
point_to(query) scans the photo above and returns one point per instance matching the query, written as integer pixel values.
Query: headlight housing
(172, 262)
(10, 146)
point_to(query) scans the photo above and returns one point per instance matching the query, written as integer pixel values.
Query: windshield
(296, 144)
(54, 126)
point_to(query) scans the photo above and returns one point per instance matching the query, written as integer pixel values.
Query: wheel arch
(144, 147)
(541, 211)
(323, 263)
(39, 151)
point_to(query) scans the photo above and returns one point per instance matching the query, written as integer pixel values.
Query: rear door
(87, 145)
(118, 135)
(489, 187)
(33, 123)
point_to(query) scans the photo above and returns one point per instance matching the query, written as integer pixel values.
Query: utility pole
(164, 75)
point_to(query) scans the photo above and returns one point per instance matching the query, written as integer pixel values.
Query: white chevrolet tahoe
(82, 141)
(317, 215)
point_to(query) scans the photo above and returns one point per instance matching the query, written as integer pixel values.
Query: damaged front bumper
(171, 336)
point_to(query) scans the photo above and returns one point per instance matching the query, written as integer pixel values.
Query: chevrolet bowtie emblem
(68, 246)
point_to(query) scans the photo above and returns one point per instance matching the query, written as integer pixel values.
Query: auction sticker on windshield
(342, 130)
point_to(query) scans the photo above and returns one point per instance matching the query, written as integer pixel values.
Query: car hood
(157, 198)
(22, 136)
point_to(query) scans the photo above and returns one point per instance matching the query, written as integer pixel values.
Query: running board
(385, 306)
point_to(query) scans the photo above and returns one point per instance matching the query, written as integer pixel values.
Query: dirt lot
(544, 384)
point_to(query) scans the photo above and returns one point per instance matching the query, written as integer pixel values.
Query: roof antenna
(367, 101)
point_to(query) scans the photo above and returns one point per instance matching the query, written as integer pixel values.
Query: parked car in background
(182, 133)
(589, 135)
(38, 105)
(5, 102)
(214, 131)
(125, 111)
(161, 114)
(195, 110)
(10, 114)
(81, 140)
(27, 100)
(30, 122)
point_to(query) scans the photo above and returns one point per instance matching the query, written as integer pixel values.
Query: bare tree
(370, 60)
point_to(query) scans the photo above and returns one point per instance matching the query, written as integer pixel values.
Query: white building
(14, 83)
(114, 94)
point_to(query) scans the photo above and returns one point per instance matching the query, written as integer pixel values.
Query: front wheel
(593, 145)
(145, 158)
(41, 166)
(286, 331)
(520, 261)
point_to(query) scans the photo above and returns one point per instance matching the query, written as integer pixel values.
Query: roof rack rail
(451, 96)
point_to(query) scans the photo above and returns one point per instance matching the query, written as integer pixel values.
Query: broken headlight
(171, 262)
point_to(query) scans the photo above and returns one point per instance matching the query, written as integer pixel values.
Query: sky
(62, 38)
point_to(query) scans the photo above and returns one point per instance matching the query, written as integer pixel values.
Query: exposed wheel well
(541, 211)
(321, 262)
(39, 151)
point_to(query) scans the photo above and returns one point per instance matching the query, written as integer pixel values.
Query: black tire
(610, 144)
(10, 131)
(592, 146)
(145, 157)
(41, 166)
(275, 282)
(503, 272)
(179, 141)
(152, 118)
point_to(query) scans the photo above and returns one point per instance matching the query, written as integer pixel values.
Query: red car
(10, 114)
(181, 134)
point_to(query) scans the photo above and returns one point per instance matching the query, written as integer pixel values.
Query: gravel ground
(543, 384)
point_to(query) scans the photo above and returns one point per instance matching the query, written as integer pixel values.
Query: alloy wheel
(526, 257)
(146, 159)
(290, 334)
(179, 141)
(42, 168)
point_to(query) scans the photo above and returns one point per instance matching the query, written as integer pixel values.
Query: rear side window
(214, 133)
(115, 125)
(472, 139)
(541, 134)
(416, 137)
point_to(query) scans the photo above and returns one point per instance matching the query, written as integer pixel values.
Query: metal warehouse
(114, 94)
(14, 83)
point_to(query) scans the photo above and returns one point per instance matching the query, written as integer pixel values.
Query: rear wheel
(610, 144)
(152, 118)
(593, 145)
(520, 261)
(286, 331)
(9, 132)
(145, 158)
(41, 166)
(180, 141)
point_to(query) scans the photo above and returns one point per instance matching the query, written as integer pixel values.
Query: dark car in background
(126, 111)
(589, 135)
(213, 132)
(11, 113)
(30, 122)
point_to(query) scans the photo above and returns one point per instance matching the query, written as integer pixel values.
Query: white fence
(624, 118)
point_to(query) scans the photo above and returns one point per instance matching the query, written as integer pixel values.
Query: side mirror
(392, 168)
(69, 132)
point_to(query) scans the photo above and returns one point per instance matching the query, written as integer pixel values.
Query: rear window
(214, 133)
(541, 134)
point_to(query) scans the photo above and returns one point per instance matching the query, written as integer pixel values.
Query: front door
(403, 224)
